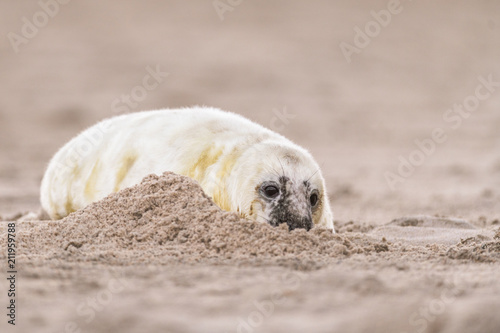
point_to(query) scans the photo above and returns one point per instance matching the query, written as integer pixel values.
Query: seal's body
(241, 165)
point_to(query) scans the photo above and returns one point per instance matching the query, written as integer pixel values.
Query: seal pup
(244, 167)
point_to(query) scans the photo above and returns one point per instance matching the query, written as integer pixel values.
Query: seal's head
(282, 184)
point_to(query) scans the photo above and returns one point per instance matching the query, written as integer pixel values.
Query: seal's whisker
(282, 169)
(315, 172)
(275, 172)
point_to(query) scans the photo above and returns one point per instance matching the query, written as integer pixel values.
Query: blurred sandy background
(356, 118)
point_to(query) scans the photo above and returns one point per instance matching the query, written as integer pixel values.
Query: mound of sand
(170, 215)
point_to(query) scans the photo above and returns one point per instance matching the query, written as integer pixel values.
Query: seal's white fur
(229, 156)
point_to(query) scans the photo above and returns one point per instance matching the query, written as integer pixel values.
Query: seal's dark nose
(292, 219)
(301, 223)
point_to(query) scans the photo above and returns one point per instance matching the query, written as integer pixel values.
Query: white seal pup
(241, 165)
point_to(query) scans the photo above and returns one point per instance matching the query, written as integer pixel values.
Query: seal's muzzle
(289, 203)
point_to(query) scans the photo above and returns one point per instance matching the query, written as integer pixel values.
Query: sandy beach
(397, 101)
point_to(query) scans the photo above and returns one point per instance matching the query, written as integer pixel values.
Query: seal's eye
(271, 191)
(313, 199)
